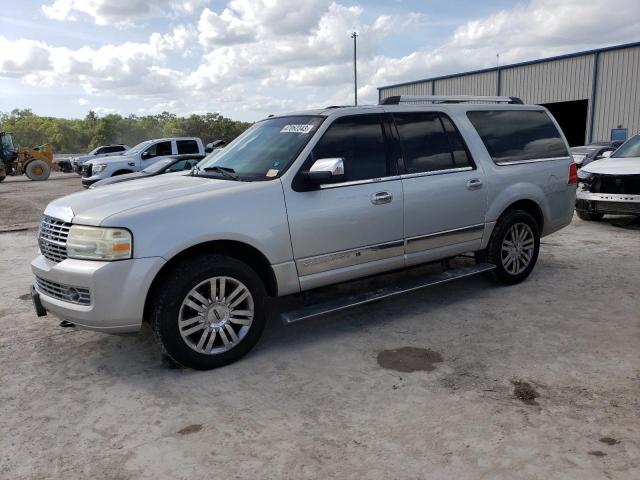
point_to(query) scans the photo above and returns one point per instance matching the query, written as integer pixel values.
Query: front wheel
(513, 247)
(37, 170)
(209, 311)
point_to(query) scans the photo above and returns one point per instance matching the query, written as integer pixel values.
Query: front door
(353, 228)
(444, 196)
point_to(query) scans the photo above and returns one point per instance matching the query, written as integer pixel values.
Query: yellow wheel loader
(35, 162)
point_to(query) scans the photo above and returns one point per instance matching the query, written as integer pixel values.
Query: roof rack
(398, 99)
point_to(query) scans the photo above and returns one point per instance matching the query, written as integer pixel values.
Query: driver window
(159, 150)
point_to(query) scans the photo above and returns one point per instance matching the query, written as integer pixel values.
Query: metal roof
(514, 65)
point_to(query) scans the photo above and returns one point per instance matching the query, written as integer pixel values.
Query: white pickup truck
(139, 158)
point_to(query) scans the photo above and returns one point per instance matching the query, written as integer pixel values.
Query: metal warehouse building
(593, 94)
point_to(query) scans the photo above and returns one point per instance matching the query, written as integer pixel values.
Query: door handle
(474, 184)
(380, 198)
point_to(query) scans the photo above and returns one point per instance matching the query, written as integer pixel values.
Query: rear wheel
(590, 216)
(37, 170)
(513, 247)
(3, 172)
(209, 311)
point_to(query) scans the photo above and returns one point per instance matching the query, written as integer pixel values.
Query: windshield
(631, 148)
(139, 147)
(265, 149)
(159, 165)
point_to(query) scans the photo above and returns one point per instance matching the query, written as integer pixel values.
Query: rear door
(444, 194)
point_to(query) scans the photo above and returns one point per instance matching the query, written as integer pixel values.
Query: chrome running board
(342, 303)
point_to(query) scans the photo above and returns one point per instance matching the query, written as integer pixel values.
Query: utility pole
(354, 35)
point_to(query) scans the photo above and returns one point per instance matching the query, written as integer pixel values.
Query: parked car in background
(215, 145)
(611, 185)
(98, 152)
(304, 200)
(166, 165)
(139, 157)
(594, 151)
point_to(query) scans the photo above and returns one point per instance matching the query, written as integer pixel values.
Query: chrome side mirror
(325, 170)
(606, 154)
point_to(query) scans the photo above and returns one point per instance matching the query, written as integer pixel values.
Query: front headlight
(584, 176)
(100, 167)
(98, 243)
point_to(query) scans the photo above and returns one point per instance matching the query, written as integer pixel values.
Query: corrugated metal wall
(617, 99)
(418, 88)
(475, 84)
(618, 93)
(557, 81)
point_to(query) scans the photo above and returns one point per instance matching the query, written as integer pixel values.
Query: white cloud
(120, 12)
(81, 101)
(267, 55)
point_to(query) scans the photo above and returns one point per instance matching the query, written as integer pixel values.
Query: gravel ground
(462, 381)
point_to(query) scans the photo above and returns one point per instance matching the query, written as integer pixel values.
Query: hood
(93, 206)
(116, 158)
(118, 178)
(614, 166)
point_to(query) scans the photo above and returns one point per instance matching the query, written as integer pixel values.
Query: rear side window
(518, 135)
(359, 140)
(430, 142)
(187, 146)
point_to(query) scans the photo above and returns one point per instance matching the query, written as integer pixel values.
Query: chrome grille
(78, 295)
(52, 238)
(87, 170)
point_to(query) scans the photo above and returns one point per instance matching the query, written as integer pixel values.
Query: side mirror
(606, 154)
(325, 170)
(145, 155)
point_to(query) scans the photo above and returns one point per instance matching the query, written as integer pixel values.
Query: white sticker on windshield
(296, 129)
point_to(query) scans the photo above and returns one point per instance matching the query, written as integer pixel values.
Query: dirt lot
(463, 381)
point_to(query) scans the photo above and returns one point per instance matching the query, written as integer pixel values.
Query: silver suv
(304, 200)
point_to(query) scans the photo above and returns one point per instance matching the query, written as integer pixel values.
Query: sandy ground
(416, 387)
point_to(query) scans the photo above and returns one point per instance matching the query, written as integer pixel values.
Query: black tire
(168, 302)
(589, 216)
(493, 252)
(37, 170)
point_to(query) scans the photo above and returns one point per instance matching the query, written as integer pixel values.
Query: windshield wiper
(225, 171)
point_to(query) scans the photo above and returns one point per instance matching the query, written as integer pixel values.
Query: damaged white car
(611, 185)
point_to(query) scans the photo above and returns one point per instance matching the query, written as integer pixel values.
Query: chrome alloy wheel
(216, 315)
(517, 248)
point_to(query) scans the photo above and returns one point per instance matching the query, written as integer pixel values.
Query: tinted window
(116, 148)
(180, 165)
(424, 142)
(101, 150)
(518, 135)
(187, 146)
(460, 154)
(159, 149)
(359, 140)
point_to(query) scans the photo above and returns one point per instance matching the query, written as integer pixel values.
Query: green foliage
(82, 135)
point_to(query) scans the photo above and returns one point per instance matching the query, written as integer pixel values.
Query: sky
(246, 59)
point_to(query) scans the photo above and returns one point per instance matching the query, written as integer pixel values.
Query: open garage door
(572, 117)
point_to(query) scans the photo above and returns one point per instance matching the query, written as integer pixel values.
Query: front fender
(254, 214)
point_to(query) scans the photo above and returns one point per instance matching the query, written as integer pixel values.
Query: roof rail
(398, 99)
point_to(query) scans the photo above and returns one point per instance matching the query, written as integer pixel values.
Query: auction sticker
(296, 129)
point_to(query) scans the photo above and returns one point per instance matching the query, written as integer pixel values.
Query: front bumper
(87, 182)
(118, 291)
(608, 203)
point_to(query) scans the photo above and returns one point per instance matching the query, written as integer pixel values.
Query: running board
(335, 305)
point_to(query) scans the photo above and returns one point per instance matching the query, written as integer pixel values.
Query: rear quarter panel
(544, 181)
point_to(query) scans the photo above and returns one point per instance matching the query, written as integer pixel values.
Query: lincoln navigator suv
(304, 200)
